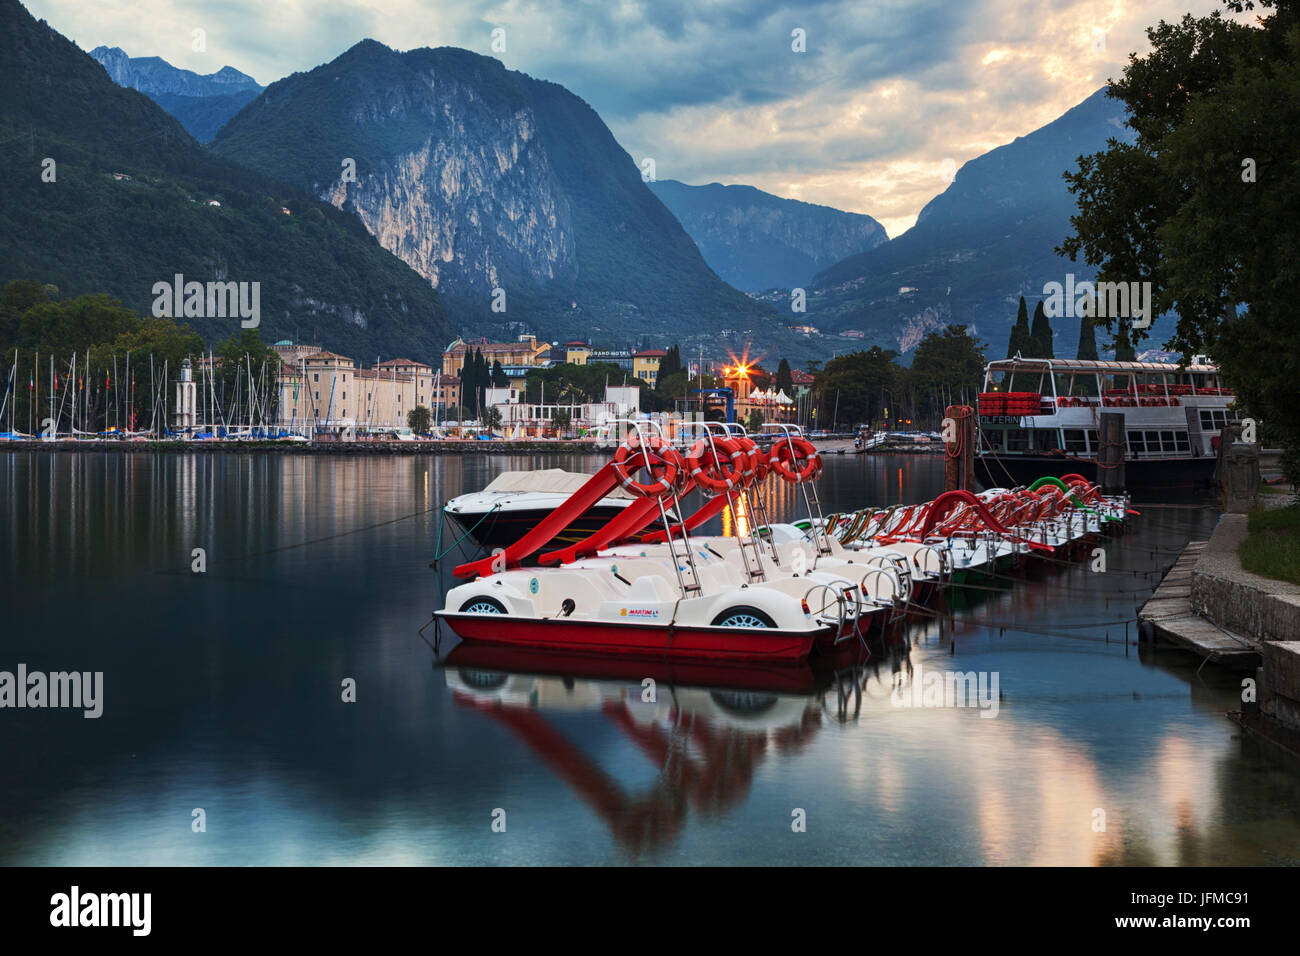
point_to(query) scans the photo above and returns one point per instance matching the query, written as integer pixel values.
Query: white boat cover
(549, 480)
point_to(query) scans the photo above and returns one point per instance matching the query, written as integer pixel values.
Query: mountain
(978, 246)
(129, 207)
(202, 116)
(201, 103)
(153, 75)
(484, 178)
(757, 241)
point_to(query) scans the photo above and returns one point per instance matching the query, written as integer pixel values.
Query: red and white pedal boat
(735, 599)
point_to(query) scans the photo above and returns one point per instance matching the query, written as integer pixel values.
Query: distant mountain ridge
(134, 200)
(153, 75)
(484, 178)
(203, 104)
(979, 245)
(757, 241)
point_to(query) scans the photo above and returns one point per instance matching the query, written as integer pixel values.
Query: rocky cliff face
(757, 241)
(482, 178)
(476, 204)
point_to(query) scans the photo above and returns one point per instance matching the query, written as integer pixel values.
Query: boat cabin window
(1046, 439)
(1076, 442)
(1215, 419)
(1017, 439)
(1152, 443)
(1094, 443)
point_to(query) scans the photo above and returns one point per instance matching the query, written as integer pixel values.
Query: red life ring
(786, 451)
(662, 459)
(715, 469)
(752, 471)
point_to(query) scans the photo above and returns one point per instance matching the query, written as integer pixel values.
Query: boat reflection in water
(707, 727)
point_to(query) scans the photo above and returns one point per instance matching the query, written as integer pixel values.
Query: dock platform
(1167, 618)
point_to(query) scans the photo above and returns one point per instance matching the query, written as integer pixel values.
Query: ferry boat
(1040, 416)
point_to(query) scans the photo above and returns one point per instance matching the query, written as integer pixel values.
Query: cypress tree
(784, 379)
(480, 377)
(671, 363)
(1040, 335)
(1087, 339)
(1019, 332)
(1124, 350)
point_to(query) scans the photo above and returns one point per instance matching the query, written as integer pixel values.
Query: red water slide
(596, 487)
(621, 527)
(710, 509)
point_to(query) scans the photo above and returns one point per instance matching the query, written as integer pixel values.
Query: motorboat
(515, 502)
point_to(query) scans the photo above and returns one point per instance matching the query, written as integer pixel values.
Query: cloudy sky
(885, 97)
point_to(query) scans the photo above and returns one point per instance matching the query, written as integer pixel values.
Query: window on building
(318, 399)
(315, 376)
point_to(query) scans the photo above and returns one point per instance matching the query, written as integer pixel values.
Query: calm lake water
(222, 692)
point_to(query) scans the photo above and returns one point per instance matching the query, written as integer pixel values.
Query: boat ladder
(751, 554)
(679, 551)
(844, 617)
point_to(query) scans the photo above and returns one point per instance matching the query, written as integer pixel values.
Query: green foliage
(947, 369)
(1123, 345)
(860, 383)
(42, 330)
(1087, 339)
(492, 419)
(499, 377)
(88, 232)
(1203, 204)
(671, 363)
(1272, 548)
(1021, 337)
(572, 384)
(561, 420)
(419, 419)
(1040, 335)
(784, 378)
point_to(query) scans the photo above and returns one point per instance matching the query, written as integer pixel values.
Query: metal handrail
(819, 615)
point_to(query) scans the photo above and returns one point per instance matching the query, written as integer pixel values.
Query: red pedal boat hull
(706, 643)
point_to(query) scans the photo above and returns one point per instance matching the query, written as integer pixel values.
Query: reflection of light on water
(737, 525)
